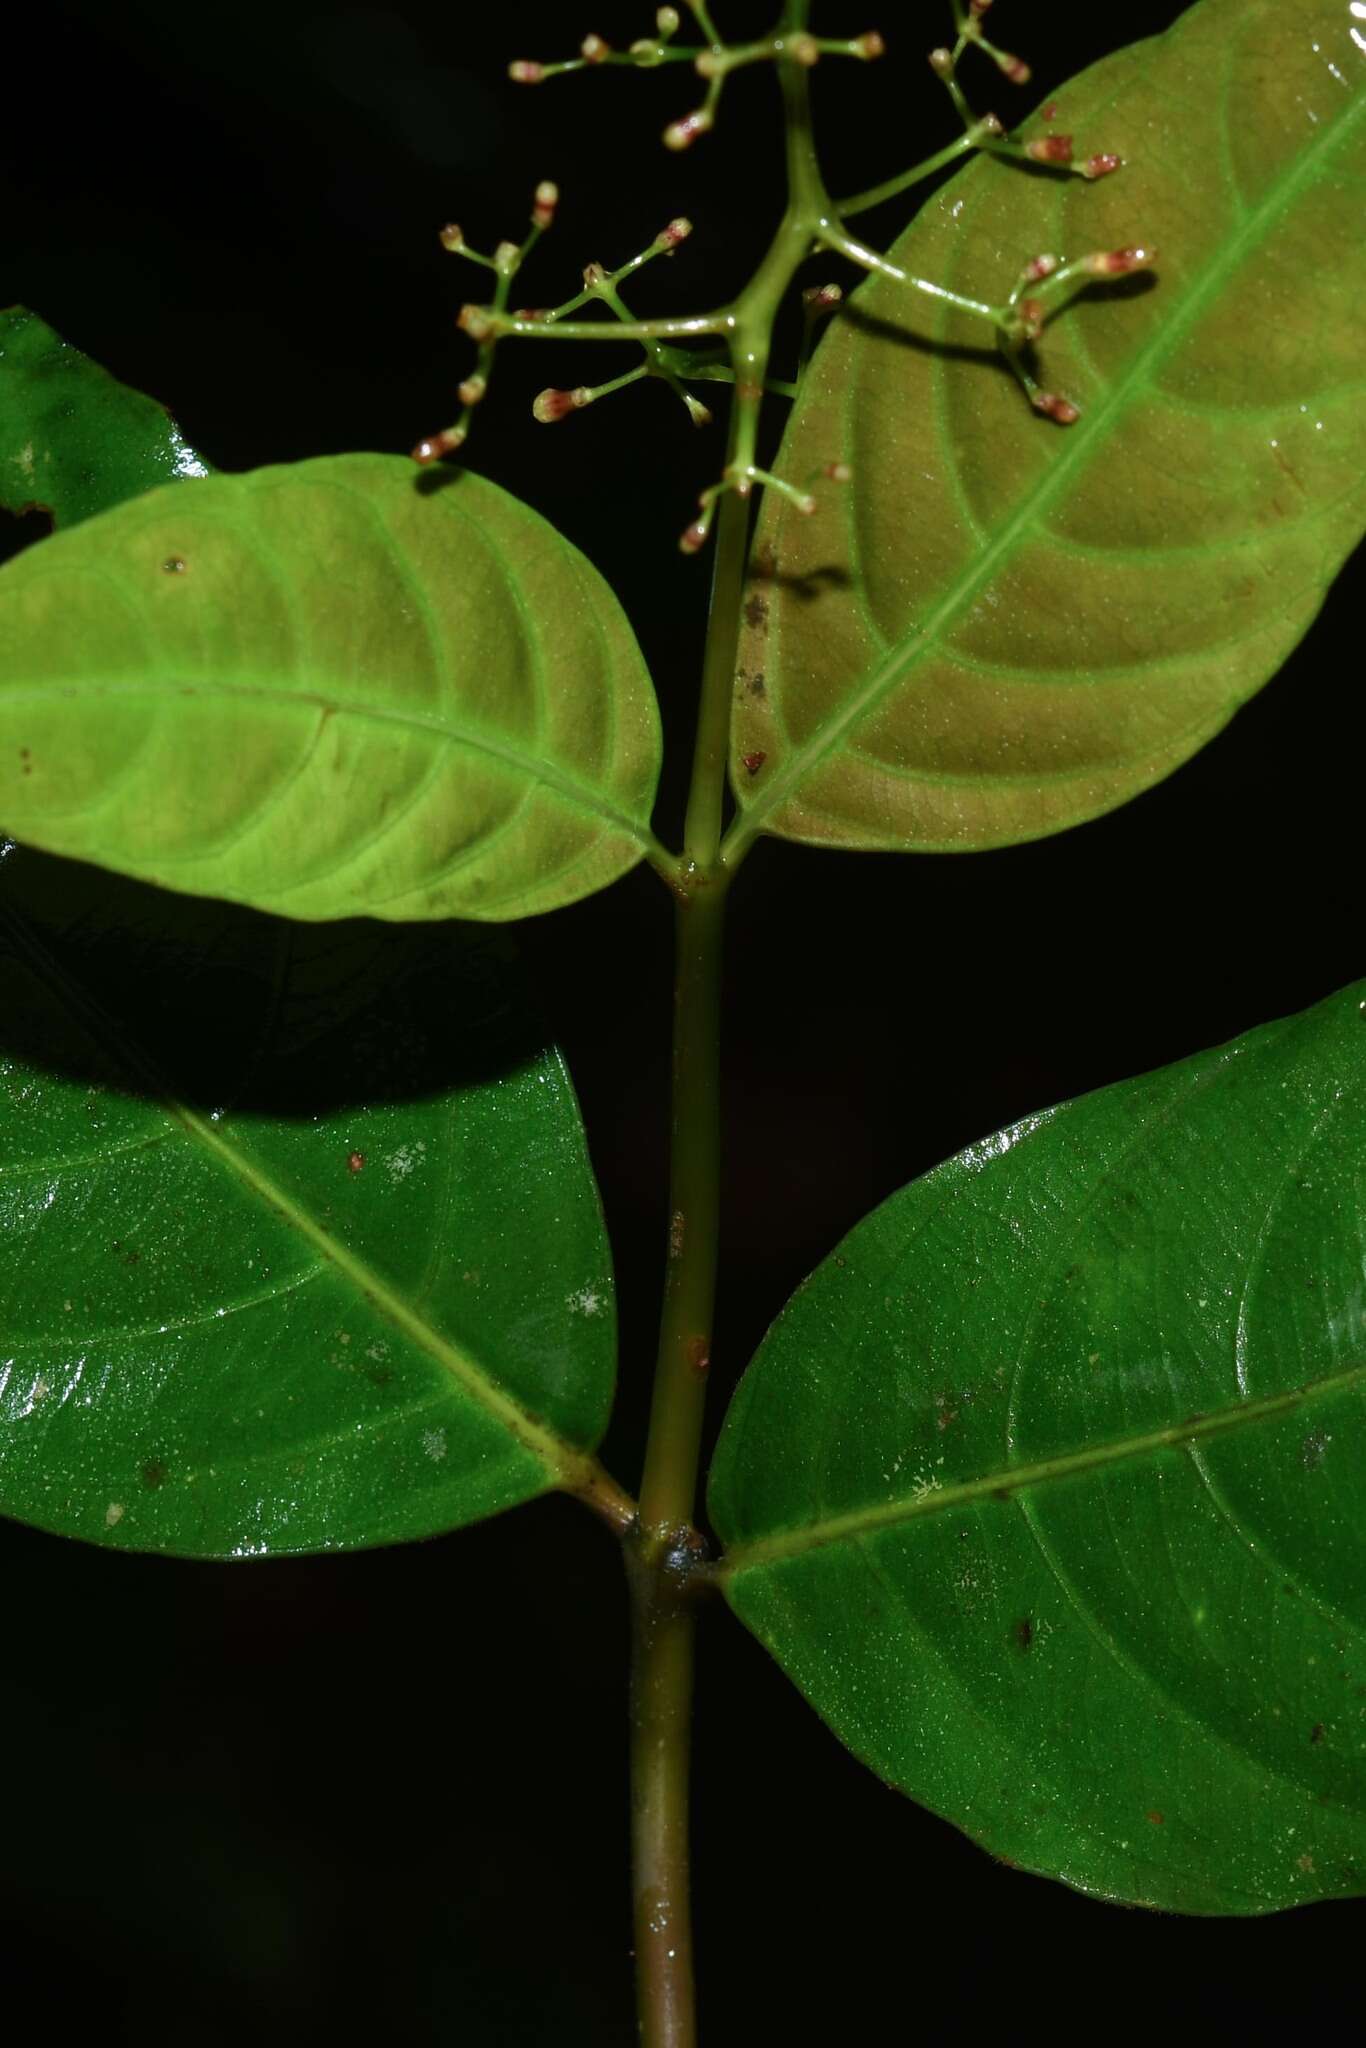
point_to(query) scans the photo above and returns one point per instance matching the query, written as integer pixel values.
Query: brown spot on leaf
(756, 613)
(175, 565)
(355, 1161)
(1024, 1633)
(753, 762)
(1316, 1733)
(1156, 1818)
(153, 1474)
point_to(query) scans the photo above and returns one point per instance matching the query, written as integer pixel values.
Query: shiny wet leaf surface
(1046, 1487)
(73, 440)
(303, 1250)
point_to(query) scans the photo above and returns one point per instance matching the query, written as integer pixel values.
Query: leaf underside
(302, 1247)
(1046, 1489)
(327, 690)
(73, 440)
(1002, 628)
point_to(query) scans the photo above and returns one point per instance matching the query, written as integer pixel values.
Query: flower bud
(1050, 149)
(677, 231)
(1119, 262)
(549, 406)
(1056, 408)
(475, 321)
(437, 445)
(543, 205)
(869, 45)
(451, 237)
(523, 72)
(682, 134)
(1100, 166)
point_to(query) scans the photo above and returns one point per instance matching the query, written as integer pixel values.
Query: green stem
(664, 1551)
(661, 1711)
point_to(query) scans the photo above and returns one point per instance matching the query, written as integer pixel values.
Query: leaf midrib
(1090, 431)
(1012, 1479)
(562, 1460)
(439, 725)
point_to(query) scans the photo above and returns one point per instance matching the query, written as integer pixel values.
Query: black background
(387, 1791)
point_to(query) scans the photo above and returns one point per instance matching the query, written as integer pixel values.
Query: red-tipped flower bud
(1031, 318)
(1056, 408)
(838, 472)
(1015, 68)
(1100, 166)
(869, 45)
(1119, 262)
(694, 538)
(594, 50)
(543, 205)
(977, 8)
(822, 298)
(451, 237)
(677, 231)
(437, 445)
(1040, 267)
(1050, 149)
(549, 406)
(524, 72)
(682, 134)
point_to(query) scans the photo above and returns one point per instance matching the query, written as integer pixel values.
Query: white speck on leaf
(434, 1443)
(584, 1301)
(113, 1514)
(405, 1160)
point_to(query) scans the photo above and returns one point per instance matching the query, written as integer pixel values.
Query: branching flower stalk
(728, 345)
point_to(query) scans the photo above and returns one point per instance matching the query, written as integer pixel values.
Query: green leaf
(302, 1247)
(74, 441)
(1001, 627)
(326, 690)
(1046, 1489)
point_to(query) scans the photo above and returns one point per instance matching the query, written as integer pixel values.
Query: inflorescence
(722, 347)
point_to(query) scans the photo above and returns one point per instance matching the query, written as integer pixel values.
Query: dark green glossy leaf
(74, 441)
(1047, 1488)
(1003, 627)
(328, 690)
(302, 1247)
